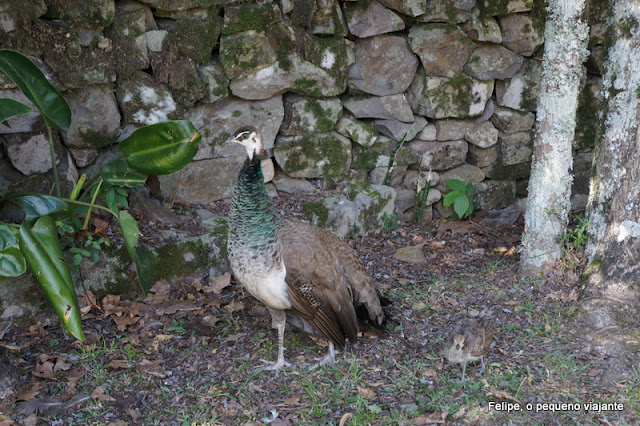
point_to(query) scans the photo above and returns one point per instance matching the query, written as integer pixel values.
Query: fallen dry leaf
(234, 306)
(29, 393)
(135, 415)
(439, 416)
(500, 394)
(412, 254)
(160, 338)
(367, 393)
(44, 368)
(216, 284)
(98, 393)
(118, 363)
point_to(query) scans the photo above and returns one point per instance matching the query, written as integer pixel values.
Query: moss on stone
(366, 158)
(588, 127)
(93, 139)
(249, 17)
(306, 86)
(324, 121)
(236, 113)
(317, 212)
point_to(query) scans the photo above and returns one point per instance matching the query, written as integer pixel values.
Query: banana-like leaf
(7, 239)
(35, 86)
(146, 262)
(41, 248)
(41, 205)
(143, 258)
(162, 148)
(117, 172)
(130, 232)
(12, 263)
(10, 108)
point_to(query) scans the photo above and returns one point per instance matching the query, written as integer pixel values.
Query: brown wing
(324, 275)
(328, 311)
(479, 335)
(300, 240)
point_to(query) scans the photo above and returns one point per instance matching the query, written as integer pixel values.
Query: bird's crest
(249, 137)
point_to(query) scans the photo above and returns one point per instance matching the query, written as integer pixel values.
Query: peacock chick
(306, 276)
(469, 341)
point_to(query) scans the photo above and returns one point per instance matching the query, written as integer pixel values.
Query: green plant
(392, 160)
(152, 150)
(577, 236)
(422, 192)
(390, 223)
(461, 196)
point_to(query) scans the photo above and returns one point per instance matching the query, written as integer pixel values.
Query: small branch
(54, 167)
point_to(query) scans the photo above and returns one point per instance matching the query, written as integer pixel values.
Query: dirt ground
(190, 352)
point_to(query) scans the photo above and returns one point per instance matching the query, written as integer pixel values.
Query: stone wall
(333, 85)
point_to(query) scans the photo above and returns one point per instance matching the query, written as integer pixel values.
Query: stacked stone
(332, 85)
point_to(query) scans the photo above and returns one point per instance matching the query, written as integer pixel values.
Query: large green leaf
(10, 108)
(456, 185)
(41, 205)
(144, 259)
(117, 172)
(12, 263)
(161, 148)
(461, 206)
(41, 248)
(35, 86)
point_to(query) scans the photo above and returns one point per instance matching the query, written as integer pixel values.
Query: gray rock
(482, 28)
(182, 78)
(143, 100)
(95, 117)
(492, 61)
(412, 177)
(440, 155)
(521, 34)
(443, 48)
(499, 171)
(373, 202)
(340, 216)
(495, 8)
(245, 53)
(357, 131)
(482, 157)
(371, 18)
(219, 120)
(516, 148)
(327, 19)
(452, 129)
(250, 17)
(29, 122)
(83, 156)
(466, 173)
(379, 174)
(128, 35)
(440, 97)
(392, 107)
(204, 181)
(292, 186)
(508, 120)
(521, 91)
(263, 84)
(268, 169)
(495, 194)
(215, 81)
(447, 11)
(305, 115)
(320, 155)
(192, 33)
(30, 152)
(428, 133)
(384, 65)
(156, 40)
(406, 7)
(398, 130)
(482, 135)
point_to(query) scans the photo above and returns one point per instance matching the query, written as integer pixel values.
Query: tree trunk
(548, 203)
(611, 290)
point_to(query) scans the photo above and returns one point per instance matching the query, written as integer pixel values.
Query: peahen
(306, 276)
(469, 340)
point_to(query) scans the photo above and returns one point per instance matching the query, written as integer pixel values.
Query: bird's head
(249, 137)
(458, 341)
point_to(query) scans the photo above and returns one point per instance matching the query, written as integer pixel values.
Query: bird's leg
(278, 321)
(329, 358)
(483, 366)
(464, 368)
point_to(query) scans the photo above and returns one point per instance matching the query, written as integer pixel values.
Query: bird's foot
(275, 366)
(329, 358)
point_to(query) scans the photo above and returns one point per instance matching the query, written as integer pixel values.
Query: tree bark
(548, 202)
(611, 290)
